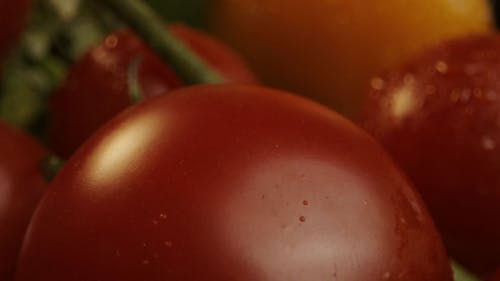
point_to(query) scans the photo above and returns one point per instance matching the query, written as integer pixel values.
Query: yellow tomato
(330, 50)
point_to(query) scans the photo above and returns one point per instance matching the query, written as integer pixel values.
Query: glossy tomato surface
(21, 186)
(439, 116)
(98, 85)
(329, 49)
(231, 183)
(13, 18)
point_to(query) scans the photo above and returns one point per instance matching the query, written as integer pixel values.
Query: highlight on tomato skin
(21, 186)
(98, 85)
(439, 117)
(231, 182)
(13, 18)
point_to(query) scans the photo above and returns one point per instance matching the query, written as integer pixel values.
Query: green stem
(461, 274)
(139, 16)
(134, 89)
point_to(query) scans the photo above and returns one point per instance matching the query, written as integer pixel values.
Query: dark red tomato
(13, 18)
(21, 186)
(97, 87)
(496, 276)
(439, 116)
(231, 183)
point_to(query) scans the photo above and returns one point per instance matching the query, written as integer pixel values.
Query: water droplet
(305, 202)
(163, 216)
(416, 209)
(168, 244)
(403, 220)
(111, 41)
(441, 66)
(377, 83)
(302, 219)
(488, 143)
(145, 262)
(155, 222)
(386, 275)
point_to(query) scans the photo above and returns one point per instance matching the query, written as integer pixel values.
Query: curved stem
(140, 17)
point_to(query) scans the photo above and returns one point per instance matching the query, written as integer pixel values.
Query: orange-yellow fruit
(330, 49)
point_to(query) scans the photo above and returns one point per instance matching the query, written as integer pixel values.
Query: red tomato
(13, 17)
(231, 183)
(439, 116)
(97, 87)
(21, 186)
(496, 276)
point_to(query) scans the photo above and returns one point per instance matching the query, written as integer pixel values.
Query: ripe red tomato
(97, 87)
(13, 17)
(496, 276)
(439, 116)
(231, 182)
(21, 186)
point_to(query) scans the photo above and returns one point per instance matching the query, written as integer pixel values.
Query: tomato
(329, 49)
(97, 87)
(21, 186)
(231, 182)
(439, 116)
(496, 276)
(13, 17)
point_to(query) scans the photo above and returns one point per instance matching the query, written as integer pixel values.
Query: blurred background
(59, 31)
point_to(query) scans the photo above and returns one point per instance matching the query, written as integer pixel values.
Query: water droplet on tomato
(111, 41)
(488, 143)
(441, 67)
(377, 83)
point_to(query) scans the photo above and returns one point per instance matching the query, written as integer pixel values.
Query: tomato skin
(496, 276)
(21, 186)
(231, 182)
(96, 88)
(438, 116)
(13, 18)
(329, 49)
